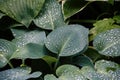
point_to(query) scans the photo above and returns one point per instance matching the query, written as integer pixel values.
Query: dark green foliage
(59, 40)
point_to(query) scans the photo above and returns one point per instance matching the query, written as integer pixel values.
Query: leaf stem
(57, 62)
(11, 66)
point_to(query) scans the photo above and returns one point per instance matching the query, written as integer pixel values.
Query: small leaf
(18, 74)
(69, 72)
(103, 66)
(51, 16)
(22, 11)
(101, 26)
(30, 45)
(68, 40)
(82, 61)
(108, 43)
(62, 70)
(50, 77)
(7, 48)
(69, 9)
(91, 74)
(101, 71)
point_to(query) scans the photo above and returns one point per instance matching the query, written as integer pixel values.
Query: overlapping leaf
(50, 16)
(7, 49)
(68, 40)
(18, 74)
(102, 25)
(30, 45)
(22, 11)
(108, 43)
(104, 70)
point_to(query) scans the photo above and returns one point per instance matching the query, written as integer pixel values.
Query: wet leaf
(21, 73)
(104, 70)
(30, 45)
(101, 26)
(68, 40)
(23, 11)
(50, 77)
(108, 43)
(7, 49)
(69, 72)
(103, 66)
(50, 16)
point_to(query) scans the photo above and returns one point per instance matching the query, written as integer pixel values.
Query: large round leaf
(21, 73)
(7, 48)
(68, 40)
(50, 16)
(108, 43)
(22, 11)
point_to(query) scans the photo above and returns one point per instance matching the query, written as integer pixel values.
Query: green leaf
(93, 54)
(62, 70)
(7, 48)
(18, 31)
(50, 77)
(82, 61)
(117, 19)
(23, 11)
(71, 7)
(69, 72)
(49, 60)
(101, 26)
(68, 40)
(103, 66)
(108, 43)
(51, 16)
(20, 73)
(30, 45)
(104, 70)
(91, 74)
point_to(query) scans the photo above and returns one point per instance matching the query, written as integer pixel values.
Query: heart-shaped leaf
(7, 48)
(23, 11)
(68, 40)
(30, 45)
(51, 16)
(108, 43)
(69, 9)
(21, 73)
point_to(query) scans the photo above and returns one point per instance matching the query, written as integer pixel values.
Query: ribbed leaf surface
(22, 11)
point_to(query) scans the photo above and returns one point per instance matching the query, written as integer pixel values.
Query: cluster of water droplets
(107, 43)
